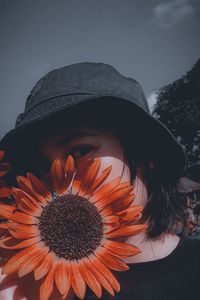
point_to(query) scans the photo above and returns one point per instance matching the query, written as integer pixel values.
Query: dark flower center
(71, 227)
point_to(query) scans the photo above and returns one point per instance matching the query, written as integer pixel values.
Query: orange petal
(4, 225)
(39, 186)
(33, 262)
(5, 192)
(126, 231)
(10, 212)
(26, 186)
(69, 165)
(62, 277)
(57, 175)
(100, 277)
(19, 193)
(46, 288)
(77, 282)
(21, 231)
(26, 203)
(6, 210)
(105, 190)
(11, 243)
(107, 211)
(45, 266)
(111, 261)
(122, 203)
(90, 279)
(69, 170)
(121, 249)
(135, 209)
(2, 173)
(101, 178)
(68, 292)
(105, 271)
(20, 258)
(117, 194)
(90, 176)
(132, 213)
(4, 228)
(129, 221)
(111, 219)
(4, 168)
(21, 217)
(28, 208)
(2, 154)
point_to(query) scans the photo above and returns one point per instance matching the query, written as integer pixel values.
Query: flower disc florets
(71, 227)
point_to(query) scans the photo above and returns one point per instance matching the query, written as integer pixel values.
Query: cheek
(119, 168)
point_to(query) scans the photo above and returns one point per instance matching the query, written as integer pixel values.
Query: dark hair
(165, 210)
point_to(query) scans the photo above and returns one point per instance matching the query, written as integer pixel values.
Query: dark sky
(153, 41)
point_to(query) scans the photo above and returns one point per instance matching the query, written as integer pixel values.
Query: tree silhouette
(178, 107)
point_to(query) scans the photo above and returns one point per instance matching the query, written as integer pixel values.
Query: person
(90, 110)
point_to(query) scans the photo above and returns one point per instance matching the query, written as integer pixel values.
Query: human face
(88, 142)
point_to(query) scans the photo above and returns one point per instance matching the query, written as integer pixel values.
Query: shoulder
(192, 243)
(191, 250)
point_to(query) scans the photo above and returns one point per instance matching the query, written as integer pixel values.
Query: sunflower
(4, 168)
(72, 234)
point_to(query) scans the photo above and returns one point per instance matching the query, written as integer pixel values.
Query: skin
(88, 142)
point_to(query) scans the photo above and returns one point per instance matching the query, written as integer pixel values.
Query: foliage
(178, 107)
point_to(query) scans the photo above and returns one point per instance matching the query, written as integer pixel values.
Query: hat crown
(85, 78)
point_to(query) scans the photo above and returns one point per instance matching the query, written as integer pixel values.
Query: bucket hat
(80, 85)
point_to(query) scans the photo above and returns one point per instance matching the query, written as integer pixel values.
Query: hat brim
(154, 137)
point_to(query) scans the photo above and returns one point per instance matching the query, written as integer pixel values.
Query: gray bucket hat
(86, 84)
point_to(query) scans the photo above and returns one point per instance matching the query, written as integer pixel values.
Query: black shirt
(175, 277)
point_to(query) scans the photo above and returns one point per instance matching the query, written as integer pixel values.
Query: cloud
(152, 99)
(169, 13)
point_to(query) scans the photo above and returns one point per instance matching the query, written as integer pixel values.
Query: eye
(80, 151)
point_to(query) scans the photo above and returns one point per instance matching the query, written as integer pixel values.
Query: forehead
(65, 136)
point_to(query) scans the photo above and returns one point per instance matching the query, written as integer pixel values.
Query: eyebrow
(66, 139)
